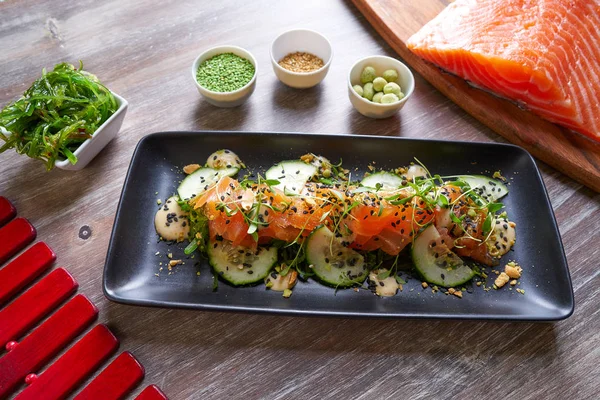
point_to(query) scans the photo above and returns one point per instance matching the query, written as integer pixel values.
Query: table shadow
(209, 117)
(358, 124)
(299, 100)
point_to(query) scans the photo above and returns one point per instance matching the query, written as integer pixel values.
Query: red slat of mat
(7, 210)
(15, 235)
(80, 361)
(45, 341)
(118, 379)
(152, 392)
(24, 269)
(34, 304)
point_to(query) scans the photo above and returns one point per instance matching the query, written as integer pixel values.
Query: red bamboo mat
(41, 315)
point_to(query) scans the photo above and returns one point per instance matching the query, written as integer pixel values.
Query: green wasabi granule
(225, 73)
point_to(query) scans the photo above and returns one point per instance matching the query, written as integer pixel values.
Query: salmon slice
(541, 53)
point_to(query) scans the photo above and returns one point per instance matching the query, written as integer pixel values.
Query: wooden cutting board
(570, 153)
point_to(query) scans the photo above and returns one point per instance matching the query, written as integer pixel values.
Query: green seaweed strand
(60, 110)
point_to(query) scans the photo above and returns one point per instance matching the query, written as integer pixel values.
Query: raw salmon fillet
(544, 54)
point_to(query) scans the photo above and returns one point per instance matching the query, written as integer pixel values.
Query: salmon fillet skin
(543, 54)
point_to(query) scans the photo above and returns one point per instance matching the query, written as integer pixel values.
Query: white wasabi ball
(392, 87)
(390, 75)
(389, 98)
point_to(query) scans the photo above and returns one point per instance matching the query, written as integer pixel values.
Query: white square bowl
(103, 135)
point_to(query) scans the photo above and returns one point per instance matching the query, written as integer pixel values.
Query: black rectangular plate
(131, 263)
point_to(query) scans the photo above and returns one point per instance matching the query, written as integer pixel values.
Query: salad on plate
(312, 219)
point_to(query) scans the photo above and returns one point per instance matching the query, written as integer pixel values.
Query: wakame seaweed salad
(60, 110)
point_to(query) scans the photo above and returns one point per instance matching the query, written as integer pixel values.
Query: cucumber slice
(239, 265)
(436, 263)
(489, 188)
(333, 263)
(198, 182)
(292, 175)
(387, 180)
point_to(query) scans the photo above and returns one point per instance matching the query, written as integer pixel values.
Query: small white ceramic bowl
(226, 99)
(406, 80)
(103, 135)
(301, 40)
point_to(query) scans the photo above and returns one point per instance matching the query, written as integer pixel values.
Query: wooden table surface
(143, 51)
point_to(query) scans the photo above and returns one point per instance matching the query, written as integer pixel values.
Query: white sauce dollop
(224, 159)
(415, 171)
(384, 287)
(280, 283)
(503, 237)
(171, 222)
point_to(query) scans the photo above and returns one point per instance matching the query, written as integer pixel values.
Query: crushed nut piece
(513, 271)
(424, 284)
(173, 263)
(513, 282)
(501, 280)
(191, 168)
(292, 278)
(308, 158)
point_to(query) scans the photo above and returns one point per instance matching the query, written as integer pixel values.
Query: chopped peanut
(191, 168)
(308, 158)
(501, 280)
(174, 263)
(424, 284)
(513, 282)
(514, 272)
(293, 278)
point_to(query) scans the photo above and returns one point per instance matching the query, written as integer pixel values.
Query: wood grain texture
(143, 50)
(571, 153)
